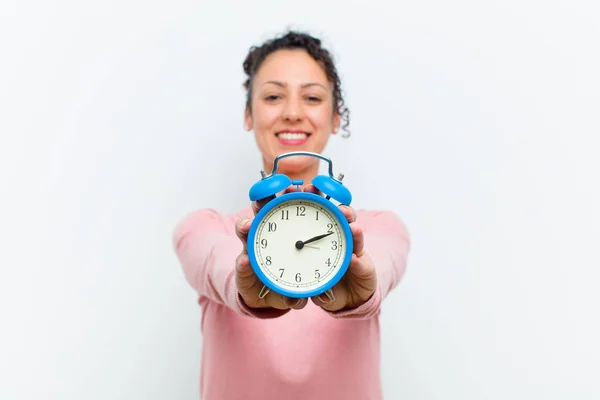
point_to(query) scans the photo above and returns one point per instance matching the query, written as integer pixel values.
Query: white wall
(476, 121)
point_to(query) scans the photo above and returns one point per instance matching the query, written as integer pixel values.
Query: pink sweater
(285, 355)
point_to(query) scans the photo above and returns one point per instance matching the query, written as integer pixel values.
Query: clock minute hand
(300, 243)
(314, 239)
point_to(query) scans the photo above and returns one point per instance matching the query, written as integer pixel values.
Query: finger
(361, 268)
(242, 226)
(258, 204)
(244, 271)
(301, 304)
(337, 296)
(296, 304)
(349, 213)
(276, 300)
(310, 188)
(358, 239)
(289, 189)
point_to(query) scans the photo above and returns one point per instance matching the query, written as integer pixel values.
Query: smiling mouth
(292, 137)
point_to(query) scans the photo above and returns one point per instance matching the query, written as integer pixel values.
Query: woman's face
(292, 109)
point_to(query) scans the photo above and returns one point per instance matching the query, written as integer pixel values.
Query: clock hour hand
(300, 244)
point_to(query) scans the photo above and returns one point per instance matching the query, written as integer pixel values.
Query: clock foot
(263, 292)
(329, 294)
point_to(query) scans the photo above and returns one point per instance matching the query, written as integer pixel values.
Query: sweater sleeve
(388, 242)
(207, 248)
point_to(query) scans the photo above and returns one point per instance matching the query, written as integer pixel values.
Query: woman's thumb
(243, 270)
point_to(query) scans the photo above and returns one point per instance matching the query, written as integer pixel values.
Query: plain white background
(477, 122)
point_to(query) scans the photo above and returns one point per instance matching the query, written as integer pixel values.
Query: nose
(293, 111)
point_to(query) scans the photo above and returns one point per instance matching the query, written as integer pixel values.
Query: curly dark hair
(312, 45)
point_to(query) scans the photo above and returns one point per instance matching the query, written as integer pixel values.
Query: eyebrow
(304, 85)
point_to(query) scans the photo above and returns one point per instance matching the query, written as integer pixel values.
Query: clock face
(300, 245)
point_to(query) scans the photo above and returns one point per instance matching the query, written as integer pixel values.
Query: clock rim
(294, 196)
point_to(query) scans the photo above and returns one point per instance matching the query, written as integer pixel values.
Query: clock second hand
(312, 247)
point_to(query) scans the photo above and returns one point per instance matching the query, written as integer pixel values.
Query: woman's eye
(314, 99)
(272, 97)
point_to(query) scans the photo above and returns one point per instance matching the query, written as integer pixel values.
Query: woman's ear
(247, 119)
(336, 123)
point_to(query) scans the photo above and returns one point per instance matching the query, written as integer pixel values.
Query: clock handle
(331, 186)
(306, 153)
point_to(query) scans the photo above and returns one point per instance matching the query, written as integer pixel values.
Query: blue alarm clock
(300, 243)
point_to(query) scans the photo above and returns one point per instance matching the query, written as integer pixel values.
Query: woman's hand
(360, 281)
(248, 284)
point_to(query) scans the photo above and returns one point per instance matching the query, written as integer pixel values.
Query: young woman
(273, 347)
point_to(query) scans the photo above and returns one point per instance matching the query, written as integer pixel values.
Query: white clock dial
(300, 245)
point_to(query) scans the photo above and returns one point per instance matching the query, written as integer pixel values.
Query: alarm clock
(299, 243)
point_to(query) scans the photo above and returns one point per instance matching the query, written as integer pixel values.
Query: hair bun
(250, 61)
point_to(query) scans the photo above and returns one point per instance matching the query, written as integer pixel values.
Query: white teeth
(292, 136)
